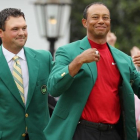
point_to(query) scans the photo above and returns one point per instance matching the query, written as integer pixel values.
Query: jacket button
(23, 135)
(26, 115)
(63, 74)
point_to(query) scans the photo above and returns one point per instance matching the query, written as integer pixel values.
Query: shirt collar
(97, 46)
(9, 55)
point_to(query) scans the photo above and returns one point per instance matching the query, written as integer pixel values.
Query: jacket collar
(7, 78)
(120, 62)
(117, 55)
(84, 45)
(33, 67)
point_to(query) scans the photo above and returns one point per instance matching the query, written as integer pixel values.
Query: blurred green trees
(125, 21)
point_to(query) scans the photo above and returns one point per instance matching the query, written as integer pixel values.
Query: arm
(137, 114)
(86, 57)
(138, 127)
(135, 77)
(65, 69)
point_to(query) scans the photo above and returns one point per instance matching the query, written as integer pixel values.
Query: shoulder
(70, 48)
(44, 54)
(71, 45)
(119, 52)
(68, 51)
(38, 52)
(76, 44)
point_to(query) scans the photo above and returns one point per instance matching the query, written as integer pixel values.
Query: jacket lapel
(33, 66)
(7, 78)
(121, 63)
(92, 66)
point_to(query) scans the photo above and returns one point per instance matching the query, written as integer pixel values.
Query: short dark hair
(6, 13)
(86, 9)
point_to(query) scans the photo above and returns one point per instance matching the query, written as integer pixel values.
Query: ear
(84, 22)
(1, 33)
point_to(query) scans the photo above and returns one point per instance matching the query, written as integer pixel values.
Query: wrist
(80, 60)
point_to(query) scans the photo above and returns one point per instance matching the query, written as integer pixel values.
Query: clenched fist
(90, 55)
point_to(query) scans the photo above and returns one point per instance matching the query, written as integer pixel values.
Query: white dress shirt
(9, 55)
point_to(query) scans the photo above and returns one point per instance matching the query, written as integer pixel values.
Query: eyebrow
(99, 14)
(25, 26)
(18, 26)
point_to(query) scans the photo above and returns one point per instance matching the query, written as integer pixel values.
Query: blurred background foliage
(125, 21)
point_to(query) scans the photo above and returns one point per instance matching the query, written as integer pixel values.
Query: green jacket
(14, 116)
(74, 91)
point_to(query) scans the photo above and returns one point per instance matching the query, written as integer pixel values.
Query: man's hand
(90, 55)
(111, 38)
(135, 53)
(87, 56)
(136, 59)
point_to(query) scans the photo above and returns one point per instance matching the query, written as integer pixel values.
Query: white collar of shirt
(9, 55)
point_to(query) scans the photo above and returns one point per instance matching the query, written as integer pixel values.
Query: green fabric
(12, 109)
(74, 91)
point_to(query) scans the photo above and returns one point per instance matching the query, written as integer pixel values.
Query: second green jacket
(74, 91)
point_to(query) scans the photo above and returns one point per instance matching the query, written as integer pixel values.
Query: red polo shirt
(103, 104)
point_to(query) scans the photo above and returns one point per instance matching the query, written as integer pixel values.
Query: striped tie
(17, 74)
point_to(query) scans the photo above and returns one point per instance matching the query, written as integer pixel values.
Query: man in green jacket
(96, 84)
(23, 78)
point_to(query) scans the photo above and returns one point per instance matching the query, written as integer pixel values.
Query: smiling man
(92, 79)
(23, 78)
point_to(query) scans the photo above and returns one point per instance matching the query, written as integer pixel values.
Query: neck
(97, 40)
(13, 50)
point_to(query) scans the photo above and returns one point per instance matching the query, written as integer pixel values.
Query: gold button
(23, 135)
(26, 115)
(63, 74)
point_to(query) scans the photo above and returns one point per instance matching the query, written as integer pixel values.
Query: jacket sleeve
(60, 79)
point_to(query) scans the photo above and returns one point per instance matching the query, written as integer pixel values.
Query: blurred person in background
(135, 54)
(137, 114)
(111, 38)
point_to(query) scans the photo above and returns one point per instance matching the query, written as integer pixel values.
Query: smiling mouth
(101, 27)
(20, 38)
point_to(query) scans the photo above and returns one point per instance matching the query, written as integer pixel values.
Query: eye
(24, 28)
(95, 17)
(15, 29)
(105, 18)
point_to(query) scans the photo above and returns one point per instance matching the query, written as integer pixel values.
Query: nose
(21, 32)
(101, 19)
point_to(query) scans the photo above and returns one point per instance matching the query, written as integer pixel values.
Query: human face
(97, 22)
(15, 35)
